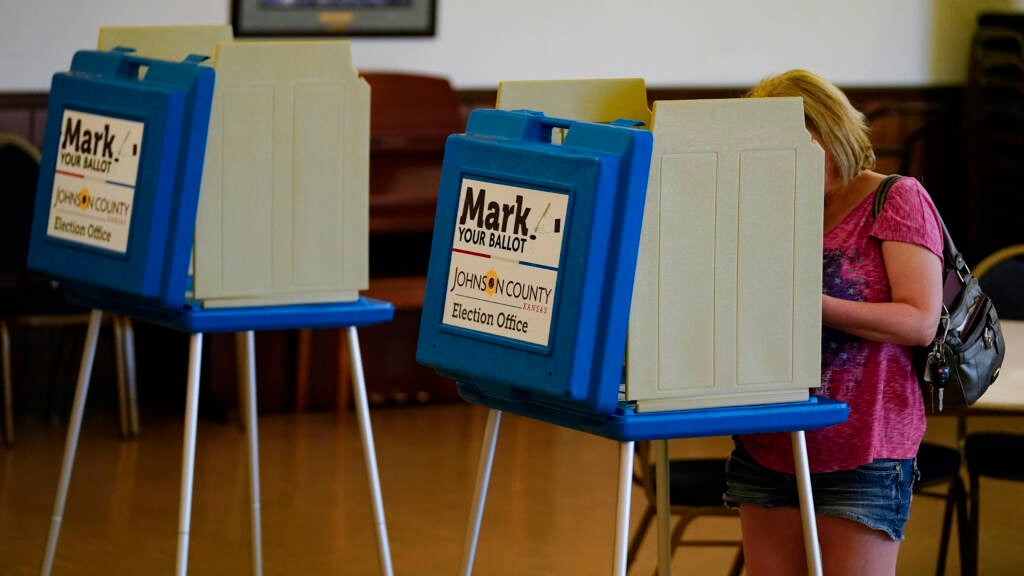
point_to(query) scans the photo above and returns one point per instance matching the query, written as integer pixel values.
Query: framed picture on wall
(333, 17)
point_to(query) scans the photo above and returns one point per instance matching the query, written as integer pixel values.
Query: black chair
(940, 478)
(996, 454)
(993, 455)
(695, 489)
(31, 300)
(1001, 275)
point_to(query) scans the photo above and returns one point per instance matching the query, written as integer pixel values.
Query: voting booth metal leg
(483, 479)
(622, 509)
(662, 490)
(188, 454)
(122, 378)
(127, 402)
(246, 341)
(5, 351)
(363, 416)
(803, 482)
(241, 382)
(129, 369)
(71, 444)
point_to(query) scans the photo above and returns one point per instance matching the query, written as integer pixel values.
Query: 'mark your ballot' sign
(505, 259)
(120, 173)
(533, 256)
(95, 179)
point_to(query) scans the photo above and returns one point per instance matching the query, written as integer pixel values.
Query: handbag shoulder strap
(882, 192)
(952, 258)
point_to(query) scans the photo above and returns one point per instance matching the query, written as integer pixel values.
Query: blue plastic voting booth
(121, 166)
(531, 268)
(529, 287)
(115, 218)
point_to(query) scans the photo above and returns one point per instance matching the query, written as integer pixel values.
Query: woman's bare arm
(911, 317)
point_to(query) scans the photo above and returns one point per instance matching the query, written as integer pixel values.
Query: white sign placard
(506, 255)
(94, 184)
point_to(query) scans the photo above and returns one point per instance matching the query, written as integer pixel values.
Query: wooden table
(1007, 393)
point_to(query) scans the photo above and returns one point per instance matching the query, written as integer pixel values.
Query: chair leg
(974, 512)
(962, 525)
(122, 377)
(241, 380)
(803, 480)
(129, 369)
(303, 357)
(737, 564)
(363, 417)
(674, 542)
(62, 347)
(677, 533)
(343, 389)
(188, 455)
(638, 538)
(662, 496)
(947, 525)
(71, 444)
(626, 451)
(483, 479)
(5, 350)
(246, 342)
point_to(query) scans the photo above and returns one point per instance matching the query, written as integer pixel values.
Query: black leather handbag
(965, 357)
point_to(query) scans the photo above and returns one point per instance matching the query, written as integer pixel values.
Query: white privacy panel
(284, 208)
(694, 176)
(316, 158)
(243, 215)
(588, 100)
(727, 300)
(765, 269)
(165, 42)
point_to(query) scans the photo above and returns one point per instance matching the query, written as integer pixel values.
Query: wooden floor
(550, 511)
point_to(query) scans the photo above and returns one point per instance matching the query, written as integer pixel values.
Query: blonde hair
(842, 128)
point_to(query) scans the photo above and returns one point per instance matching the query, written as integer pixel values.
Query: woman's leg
(773, 545)
(773, 541)
(849, 548)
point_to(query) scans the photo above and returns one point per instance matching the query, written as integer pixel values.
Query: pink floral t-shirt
(876, 380)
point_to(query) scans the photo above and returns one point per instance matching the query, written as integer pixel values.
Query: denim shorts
(876, 495)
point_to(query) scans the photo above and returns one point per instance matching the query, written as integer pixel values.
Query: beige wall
(667, 42)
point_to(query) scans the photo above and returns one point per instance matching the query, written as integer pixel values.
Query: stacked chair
(994, 127)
